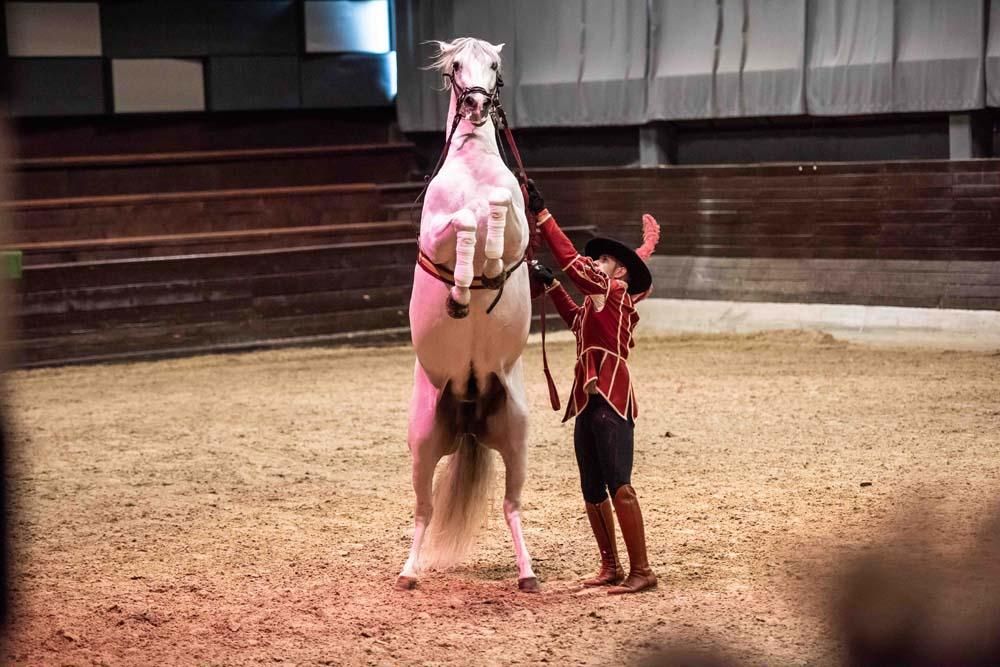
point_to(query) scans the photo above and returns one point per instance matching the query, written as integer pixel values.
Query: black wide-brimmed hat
(639, 278)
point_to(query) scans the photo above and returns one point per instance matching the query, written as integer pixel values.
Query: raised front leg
(496, 224)
(465, 251)
(448, 236)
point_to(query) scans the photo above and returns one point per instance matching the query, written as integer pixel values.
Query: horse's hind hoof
(456, 310)
(528, 585)
(406, 583)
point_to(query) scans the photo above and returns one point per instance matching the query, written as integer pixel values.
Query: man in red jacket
(613, 278)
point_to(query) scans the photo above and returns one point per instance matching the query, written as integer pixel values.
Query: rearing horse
(468, 387)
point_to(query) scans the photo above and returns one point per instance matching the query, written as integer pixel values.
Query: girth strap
(447, 276)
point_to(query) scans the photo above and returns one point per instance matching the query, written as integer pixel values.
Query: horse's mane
(448, 51)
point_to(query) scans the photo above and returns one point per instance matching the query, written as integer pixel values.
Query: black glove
(542, 273)
(535, 202)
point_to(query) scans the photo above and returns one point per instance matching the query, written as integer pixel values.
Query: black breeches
(603, 443)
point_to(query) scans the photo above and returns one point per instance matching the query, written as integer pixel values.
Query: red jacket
(603, 326)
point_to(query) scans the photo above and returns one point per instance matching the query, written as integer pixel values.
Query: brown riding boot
(602, 521)
(640, 577)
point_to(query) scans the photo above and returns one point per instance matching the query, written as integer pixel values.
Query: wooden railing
(83, 176)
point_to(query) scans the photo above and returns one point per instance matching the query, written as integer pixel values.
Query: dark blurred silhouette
(5, 449)
(919, 609)
(4, 552)
(900, 607)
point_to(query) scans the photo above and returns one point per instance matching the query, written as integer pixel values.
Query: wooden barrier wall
(41, 178)
(923, 234)
(131, 276)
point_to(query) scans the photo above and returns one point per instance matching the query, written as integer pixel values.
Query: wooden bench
(109, 308)
(54, 252)
(136, 173)
(164, 305)
(399, 193)
(111, 134)
(77, 218)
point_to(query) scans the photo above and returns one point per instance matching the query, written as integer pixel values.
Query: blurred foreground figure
(6, 309)
(918, 609)
(900, 608)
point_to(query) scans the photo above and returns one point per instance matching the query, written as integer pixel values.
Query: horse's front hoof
(528, 585)
(457, 310)
(406, 583)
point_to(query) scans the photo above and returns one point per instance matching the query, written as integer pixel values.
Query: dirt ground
(255, 509)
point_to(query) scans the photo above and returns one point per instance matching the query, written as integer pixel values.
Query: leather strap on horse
(553, 392)
(522, 179)
(447, 276)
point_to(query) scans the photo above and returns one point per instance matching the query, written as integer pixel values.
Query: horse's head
(472, 68)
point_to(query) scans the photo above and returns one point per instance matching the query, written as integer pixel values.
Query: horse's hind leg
(425, 450)
(511, 437)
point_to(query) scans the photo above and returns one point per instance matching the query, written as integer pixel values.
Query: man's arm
(581, 270)
(567, 307)
(564, 303)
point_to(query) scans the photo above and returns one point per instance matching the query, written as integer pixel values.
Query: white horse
(468, 388)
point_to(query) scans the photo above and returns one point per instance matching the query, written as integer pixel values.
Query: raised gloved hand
(542, 273)
(540, 278)
(536, 204)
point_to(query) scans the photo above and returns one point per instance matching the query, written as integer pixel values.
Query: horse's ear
(499, 47)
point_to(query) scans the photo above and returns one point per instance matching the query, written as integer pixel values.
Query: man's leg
(602, 520)
(614, 437)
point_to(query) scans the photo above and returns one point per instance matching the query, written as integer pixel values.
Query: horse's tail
(461, 500)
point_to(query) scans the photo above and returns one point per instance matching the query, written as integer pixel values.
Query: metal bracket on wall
(11, 263)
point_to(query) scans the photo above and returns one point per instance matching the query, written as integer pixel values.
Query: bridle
(496, 113)
(493, 96)
(499, 117)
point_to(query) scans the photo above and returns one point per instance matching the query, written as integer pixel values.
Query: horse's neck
(469, 140)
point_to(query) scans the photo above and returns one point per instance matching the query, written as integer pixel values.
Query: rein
(499, 117)
(533, 240)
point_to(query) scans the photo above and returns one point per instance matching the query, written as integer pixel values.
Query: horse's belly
(450, 349)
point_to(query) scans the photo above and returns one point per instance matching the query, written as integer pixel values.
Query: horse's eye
(494, 66)
(456, 66)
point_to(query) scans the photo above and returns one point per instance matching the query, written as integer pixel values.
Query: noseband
(492, 96)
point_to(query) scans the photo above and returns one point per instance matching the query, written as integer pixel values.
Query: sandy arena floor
(255, 509)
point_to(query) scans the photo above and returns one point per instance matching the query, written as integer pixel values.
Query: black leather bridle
(496, 113)
(493, 96)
